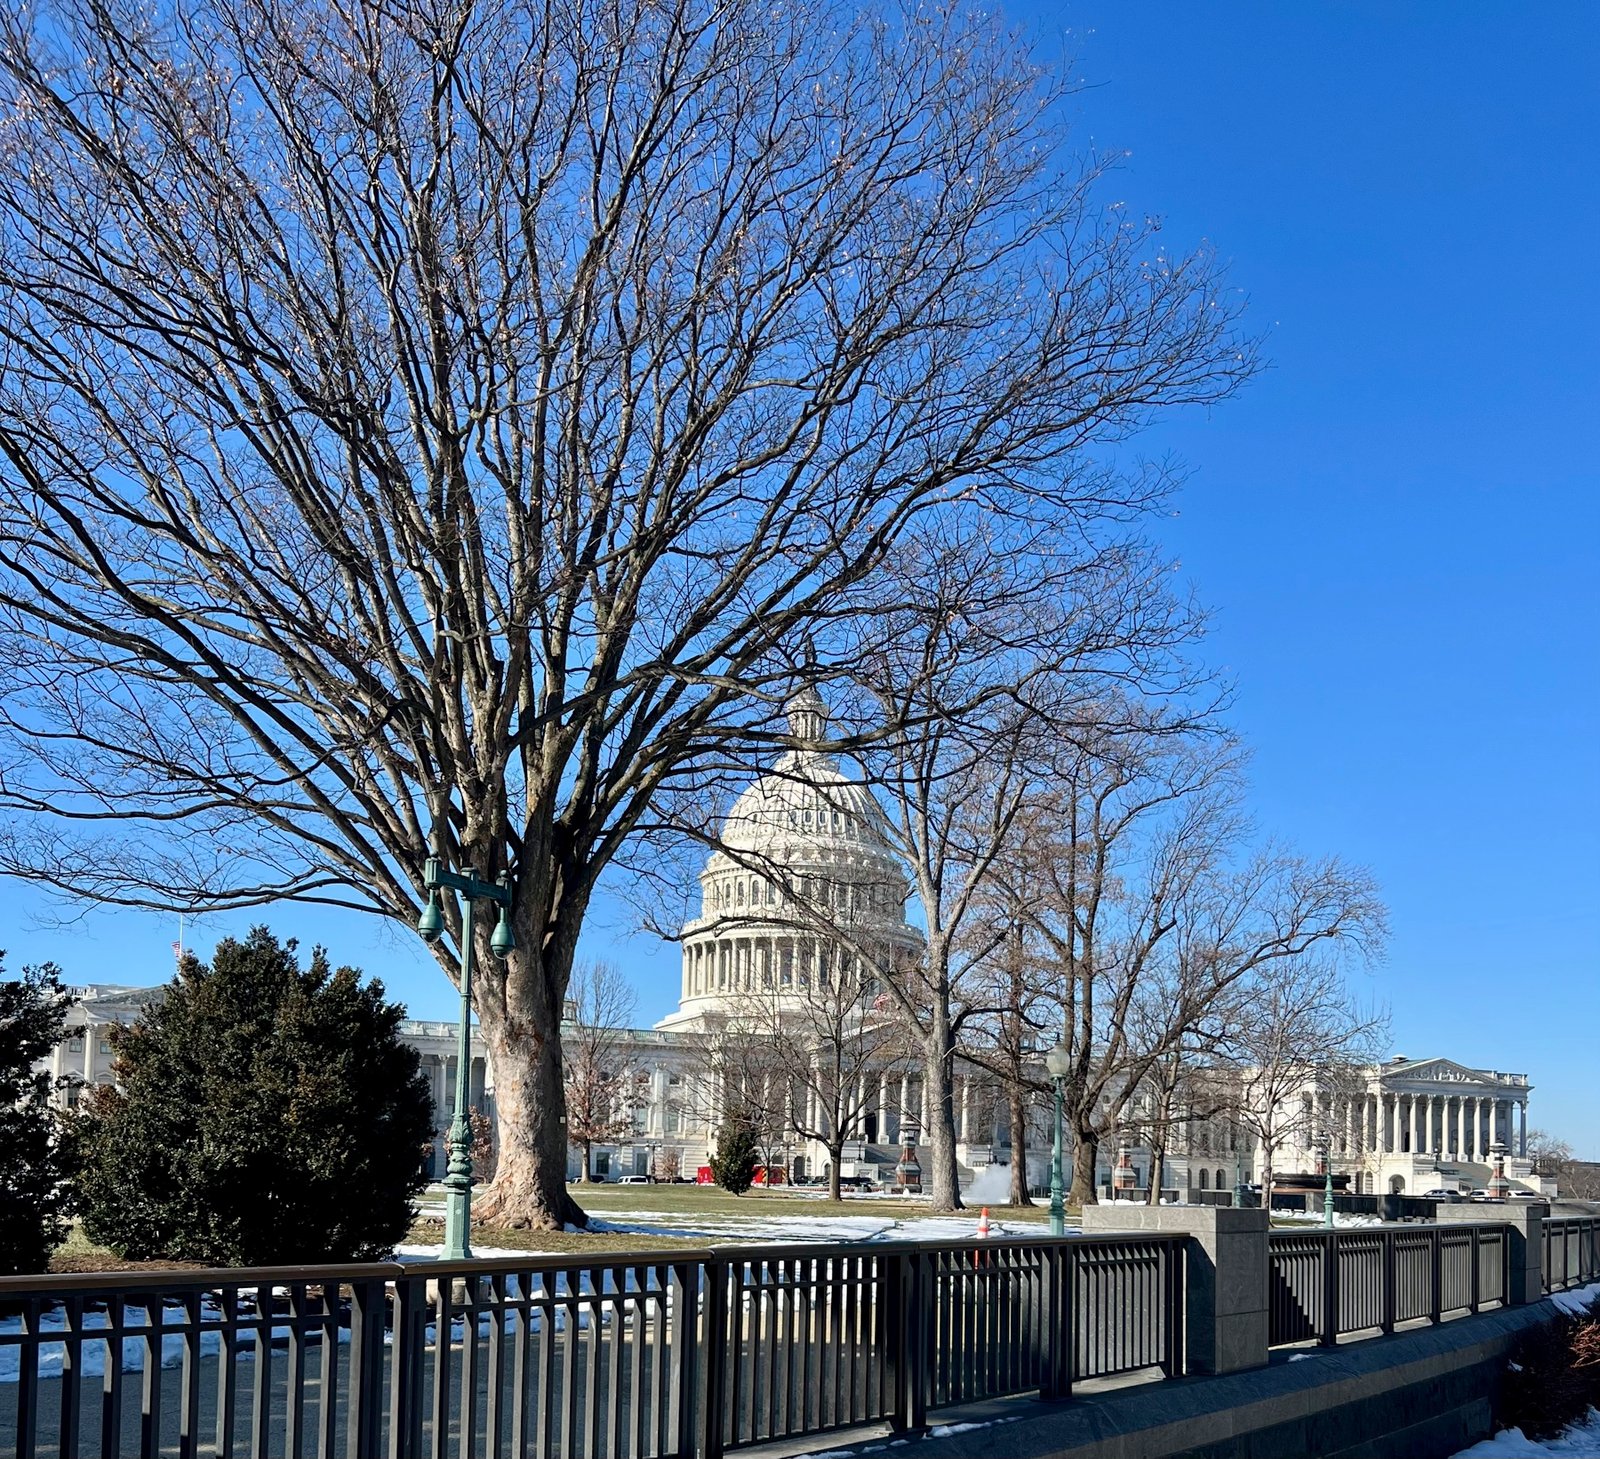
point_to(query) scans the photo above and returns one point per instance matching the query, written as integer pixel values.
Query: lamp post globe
(1058, 1064)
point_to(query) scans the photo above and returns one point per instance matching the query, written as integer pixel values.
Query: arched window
(739, 891)
(772, 893)
(1222, 1181)
(1205, 1179)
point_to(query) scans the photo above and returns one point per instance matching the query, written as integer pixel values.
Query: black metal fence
(1571, 1252)
(1324, 1285)
(687, 1353)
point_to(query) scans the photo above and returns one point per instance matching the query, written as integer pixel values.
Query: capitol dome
(804, 841)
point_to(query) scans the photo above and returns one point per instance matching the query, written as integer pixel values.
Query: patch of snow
(1578, 1300)
(1301, 1357)
(1340, 1218)
(429, 1252)
(1580, 1438)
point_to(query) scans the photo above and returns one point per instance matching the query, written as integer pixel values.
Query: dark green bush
(1553, 1377)
(33, 1194)
(266, 1114)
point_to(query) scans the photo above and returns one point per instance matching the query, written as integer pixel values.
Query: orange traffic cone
(983, 1222)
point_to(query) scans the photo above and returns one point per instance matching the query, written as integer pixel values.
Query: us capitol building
(1419, 1124)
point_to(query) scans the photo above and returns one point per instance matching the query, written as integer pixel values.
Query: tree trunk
(835, 1156)
(944, 1185)
(1017, 1098)
(1085, 1154)
(1158, 1156)
(587, 1146)
(529, 1191)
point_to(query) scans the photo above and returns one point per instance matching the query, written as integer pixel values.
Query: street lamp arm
(436, 875)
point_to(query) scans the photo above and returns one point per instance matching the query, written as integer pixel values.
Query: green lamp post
(458, 1172)
(1058, 1063)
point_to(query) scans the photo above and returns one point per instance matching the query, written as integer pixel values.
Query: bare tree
(1153, 910)
(1008, 1029)
(1552, 1157)
(603, 1089)
(1305, 1040)
(820, 1044)
(434, 430)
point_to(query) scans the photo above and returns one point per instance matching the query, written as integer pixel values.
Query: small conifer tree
(733, 1165)
(266, 1113)
(33, 1010)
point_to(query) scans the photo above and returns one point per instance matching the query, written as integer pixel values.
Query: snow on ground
(1340, 1218)
(435, 1252)
(720, 1228)
(1579, 1438)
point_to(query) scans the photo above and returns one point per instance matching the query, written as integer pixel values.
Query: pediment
(1444, 1072)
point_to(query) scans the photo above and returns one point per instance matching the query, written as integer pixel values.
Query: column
(1522, 1127)
(1477, 1128)
(964, 1114)
(91, 1037)
(1412, 1111)
(905, 1102)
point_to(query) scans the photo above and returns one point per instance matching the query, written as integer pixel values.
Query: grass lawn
(656, 1204)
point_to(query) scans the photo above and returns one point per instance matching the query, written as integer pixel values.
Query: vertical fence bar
(714, 1358)
(1437, 1261)
(1329, 1333)
(28, 1381)
(72, 1377)
(111, 1383)
(189, 1382)
(150, 1405)
(405, 1368)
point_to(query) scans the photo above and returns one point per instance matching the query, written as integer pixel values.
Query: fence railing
(1324, 1285)
(1571, 1252)
(688, 1353)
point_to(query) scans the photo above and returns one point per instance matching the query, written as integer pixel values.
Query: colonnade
(441, 1073)
(1463, 1126)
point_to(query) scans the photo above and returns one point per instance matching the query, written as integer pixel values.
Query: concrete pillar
(1412, 1111)
(1225, 1277)
(1522, 1127)
(1526, 1230)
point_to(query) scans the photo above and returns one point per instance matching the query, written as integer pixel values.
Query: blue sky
(1396, 525)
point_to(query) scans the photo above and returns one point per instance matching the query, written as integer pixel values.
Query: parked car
(1482, 1195)
(1527, 1196)
(1439, 1193)
(636, 1180)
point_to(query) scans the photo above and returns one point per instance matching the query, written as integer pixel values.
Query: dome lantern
(808, 715)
